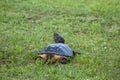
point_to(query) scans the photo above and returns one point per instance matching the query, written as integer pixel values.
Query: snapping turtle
(58, 52)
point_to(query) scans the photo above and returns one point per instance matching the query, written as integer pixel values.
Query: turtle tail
(74, 53)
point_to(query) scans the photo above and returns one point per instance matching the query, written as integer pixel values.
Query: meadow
(91, 27)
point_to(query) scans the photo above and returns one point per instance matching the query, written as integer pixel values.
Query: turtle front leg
(45, 60)
(55, 58)
(59, 58)
(44, 57)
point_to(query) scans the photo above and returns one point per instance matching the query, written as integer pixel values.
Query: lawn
(91, 27)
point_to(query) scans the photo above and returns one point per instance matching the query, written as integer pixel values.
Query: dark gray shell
(57, 48)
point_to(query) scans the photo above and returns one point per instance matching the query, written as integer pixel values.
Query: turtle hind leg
(63, 60)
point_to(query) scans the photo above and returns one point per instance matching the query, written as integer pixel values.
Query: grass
(90, 27)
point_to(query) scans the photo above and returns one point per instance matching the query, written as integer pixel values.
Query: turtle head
(58, 38)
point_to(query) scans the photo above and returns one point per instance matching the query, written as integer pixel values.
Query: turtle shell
(57, 48)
